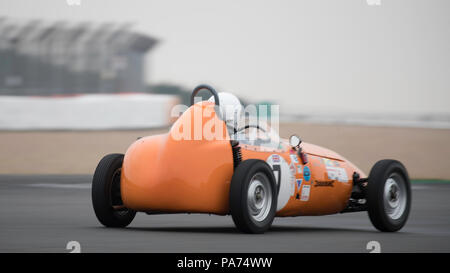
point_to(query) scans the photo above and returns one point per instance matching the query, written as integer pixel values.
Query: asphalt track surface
(43, 213)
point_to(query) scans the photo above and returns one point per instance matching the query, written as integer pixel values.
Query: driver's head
(230, 107)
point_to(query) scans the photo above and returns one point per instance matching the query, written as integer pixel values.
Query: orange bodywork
(162, 173)
(322, 200)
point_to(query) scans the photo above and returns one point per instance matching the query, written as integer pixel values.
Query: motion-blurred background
(82, 78)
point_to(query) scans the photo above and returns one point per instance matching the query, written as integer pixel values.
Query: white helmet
(230, 107)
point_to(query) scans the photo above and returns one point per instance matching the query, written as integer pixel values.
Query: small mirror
(295, 141)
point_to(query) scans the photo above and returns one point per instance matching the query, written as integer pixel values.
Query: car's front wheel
(388, 195)
(106, 197)
(253, 196)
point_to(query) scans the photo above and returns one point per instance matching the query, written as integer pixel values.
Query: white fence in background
(86, 112)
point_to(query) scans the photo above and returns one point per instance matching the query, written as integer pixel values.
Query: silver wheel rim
(259, 197)
(395, 196)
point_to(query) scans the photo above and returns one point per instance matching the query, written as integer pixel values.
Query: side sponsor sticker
(294, 158)
(329, 162)
(305, 193)
(275, 158)
(292, 169)
(324, 183)
(336, 173)
(306, 173)
(299, 187)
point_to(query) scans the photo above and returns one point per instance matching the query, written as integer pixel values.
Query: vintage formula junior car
(251, 179)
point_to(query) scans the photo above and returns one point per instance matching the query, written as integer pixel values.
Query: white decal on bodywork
(305, 193)
(336, 173)
(292, 169)
(294, 158)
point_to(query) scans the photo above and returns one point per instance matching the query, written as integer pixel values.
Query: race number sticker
(284, 179)
(305, 193)
(335, 173)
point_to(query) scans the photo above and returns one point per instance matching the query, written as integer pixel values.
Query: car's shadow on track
(231, 230)
(319, 229)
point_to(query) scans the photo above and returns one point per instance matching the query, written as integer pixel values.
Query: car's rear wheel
(253, 196)
(106, 196)
(388, 195)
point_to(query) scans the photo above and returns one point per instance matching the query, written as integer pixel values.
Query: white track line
(420, 187)
(62, 186)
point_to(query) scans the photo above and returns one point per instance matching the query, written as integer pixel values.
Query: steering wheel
(249, 126)
(207, 87)
(257, 141)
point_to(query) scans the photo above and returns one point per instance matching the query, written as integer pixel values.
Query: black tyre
(106, 197)
(388, 195)
(253, 196)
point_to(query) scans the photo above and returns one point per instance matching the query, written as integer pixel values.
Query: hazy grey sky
(312, 54)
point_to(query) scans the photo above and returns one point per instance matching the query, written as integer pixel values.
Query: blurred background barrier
(77, 76)
(46, 58)
(86, 112)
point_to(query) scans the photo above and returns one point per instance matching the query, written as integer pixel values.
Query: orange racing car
(252, 178)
